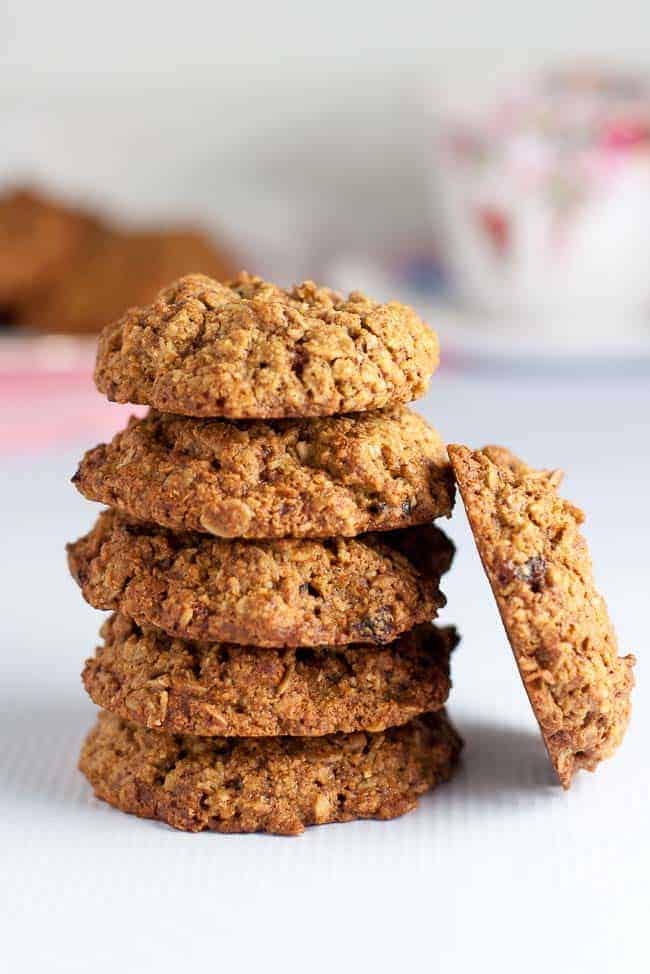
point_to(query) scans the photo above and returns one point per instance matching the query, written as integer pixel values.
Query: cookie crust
(540, 571)
(266, 593)
(275, 784)
(206, 689)
(338, 476)
(248, 349)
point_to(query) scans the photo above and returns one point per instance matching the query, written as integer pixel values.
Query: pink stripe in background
(47, 396)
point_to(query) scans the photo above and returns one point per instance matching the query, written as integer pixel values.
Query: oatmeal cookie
(540, 570)
(115, 270)
(187, 687)
(342, 475)
(37, 239)
(248, 349)
(266, 593)
(271, 784)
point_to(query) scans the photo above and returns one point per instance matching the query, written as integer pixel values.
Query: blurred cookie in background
(117, 270)
(38, 237)
(63, 271)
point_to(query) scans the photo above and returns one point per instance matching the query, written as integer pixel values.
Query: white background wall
(297, 127)
(80, 37)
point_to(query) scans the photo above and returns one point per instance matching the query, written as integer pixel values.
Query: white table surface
(498, 871)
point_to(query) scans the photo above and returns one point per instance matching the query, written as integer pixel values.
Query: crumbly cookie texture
(272, 784)
(248, 349)
(266, 593)
(540, 570)
(37, 238)
(342, 475)
(115, 270)
(185, 687)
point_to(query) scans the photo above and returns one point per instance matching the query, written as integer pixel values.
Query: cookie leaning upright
(249, 349)
(539, 568)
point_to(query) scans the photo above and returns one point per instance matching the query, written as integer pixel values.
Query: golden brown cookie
(540, 570)
(266, 593)
(248, 349)
(270, 784)
(37, 239)
(186, 687)
(341, 475)
(116, 270)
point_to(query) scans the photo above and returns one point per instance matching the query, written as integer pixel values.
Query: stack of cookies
(269, 556)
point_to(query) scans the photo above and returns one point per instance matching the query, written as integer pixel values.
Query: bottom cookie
(273, 784)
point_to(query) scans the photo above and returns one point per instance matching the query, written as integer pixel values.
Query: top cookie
(539, 567)
(249, 349)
